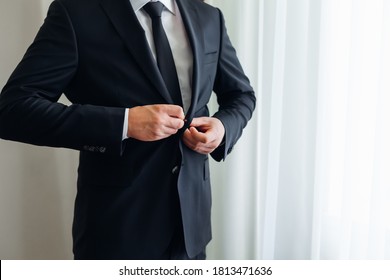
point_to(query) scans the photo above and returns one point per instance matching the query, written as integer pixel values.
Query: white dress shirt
(178, 41)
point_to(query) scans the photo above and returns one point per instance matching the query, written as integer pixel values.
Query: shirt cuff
(125, 124)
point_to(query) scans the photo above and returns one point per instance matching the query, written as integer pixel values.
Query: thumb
(198, 136)
(196, 122)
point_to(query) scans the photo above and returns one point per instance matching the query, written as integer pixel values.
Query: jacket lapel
(127, 25)
(191, 21)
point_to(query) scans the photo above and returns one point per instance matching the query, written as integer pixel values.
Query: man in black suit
(143, 188)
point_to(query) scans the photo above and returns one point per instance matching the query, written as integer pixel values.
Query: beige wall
(37, 185)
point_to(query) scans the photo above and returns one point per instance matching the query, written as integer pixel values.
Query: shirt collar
(138, 4)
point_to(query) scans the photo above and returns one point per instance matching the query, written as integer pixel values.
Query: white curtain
(310, 179)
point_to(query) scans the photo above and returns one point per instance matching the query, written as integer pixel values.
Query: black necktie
(164, 55)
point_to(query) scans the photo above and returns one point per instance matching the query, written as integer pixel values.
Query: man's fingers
(198, 136)
(154, 122)
(175, 123)
(174, 111)
(175, 116)
(191, 139)
(198, 122)
(204, 134)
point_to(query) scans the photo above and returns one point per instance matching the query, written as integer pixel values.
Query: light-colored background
(310, 177)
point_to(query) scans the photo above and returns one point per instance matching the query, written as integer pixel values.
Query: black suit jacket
(95, 52)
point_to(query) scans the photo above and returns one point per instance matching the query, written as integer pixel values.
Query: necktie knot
(154, 9)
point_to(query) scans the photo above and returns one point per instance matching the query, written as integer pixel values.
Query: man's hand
(154, 122)
(204, 135)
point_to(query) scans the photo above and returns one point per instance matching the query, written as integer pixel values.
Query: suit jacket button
(175, 170)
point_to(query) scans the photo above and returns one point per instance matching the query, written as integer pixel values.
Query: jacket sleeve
(235, 95)
(29, 108)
